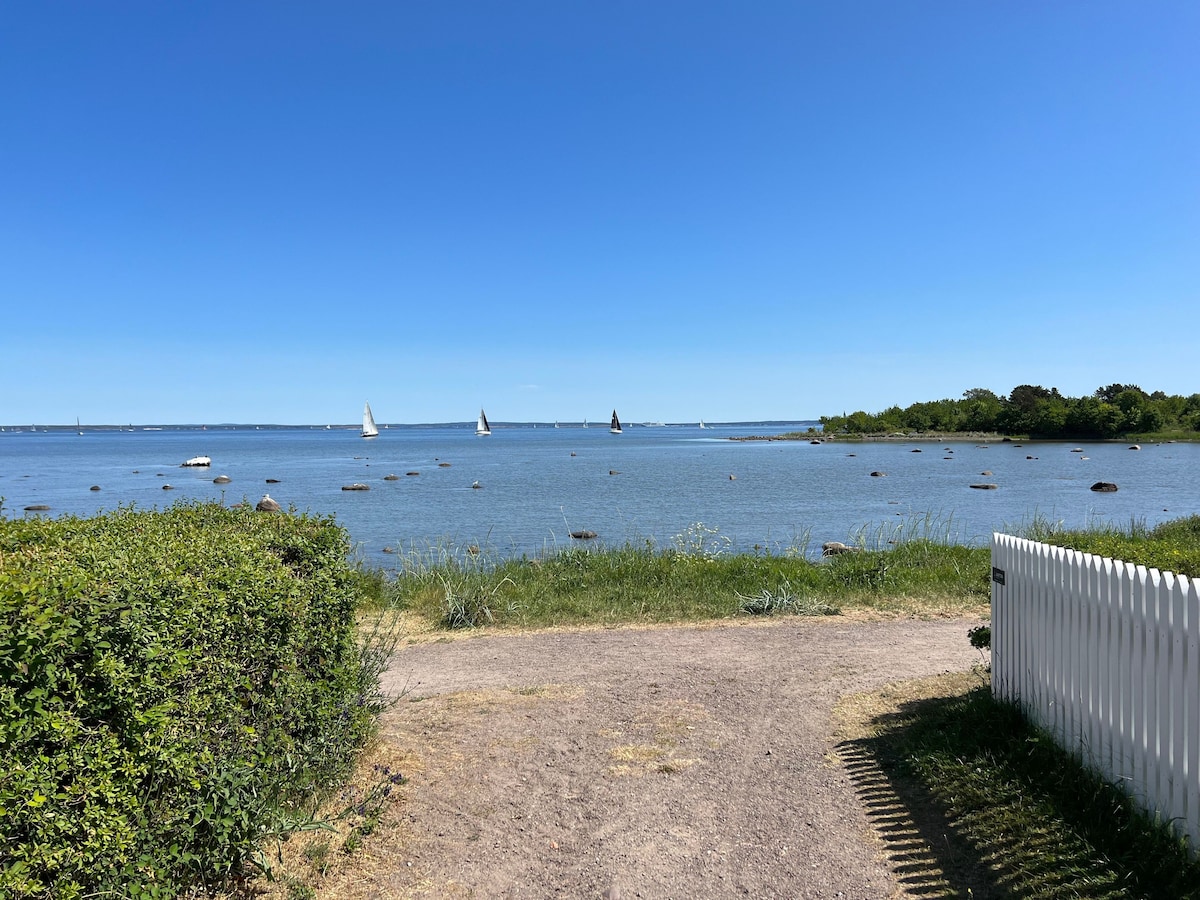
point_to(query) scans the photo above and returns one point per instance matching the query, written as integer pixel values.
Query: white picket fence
(1105, 656)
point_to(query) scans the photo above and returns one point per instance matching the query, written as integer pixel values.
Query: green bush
(172, 684)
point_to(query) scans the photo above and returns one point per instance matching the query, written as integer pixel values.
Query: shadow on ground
(970, 802)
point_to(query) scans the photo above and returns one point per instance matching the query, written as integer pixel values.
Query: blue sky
(273, 211)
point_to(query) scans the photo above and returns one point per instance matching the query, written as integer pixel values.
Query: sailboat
(78, 427)
(482, 427)
(702, 425)
(615, 427)
(370, 429)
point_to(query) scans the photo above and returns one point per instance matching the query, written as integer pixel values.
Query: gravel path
(663, 762)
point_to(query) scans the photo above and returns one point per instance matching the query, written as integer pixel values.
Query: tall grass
(695, 578)
(1172, 546)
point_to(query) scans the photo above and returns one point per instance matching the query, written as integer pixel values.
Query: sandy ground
(673, 762)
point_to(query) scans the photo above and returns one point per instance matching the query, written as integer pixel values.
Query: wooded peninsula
(1115, 411)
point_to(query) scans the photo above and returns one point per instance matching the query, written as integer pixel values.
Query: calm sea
(537, 484)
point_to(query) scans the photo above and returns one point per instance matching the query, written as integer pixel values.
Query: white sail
(615, 428)
(482, 427)
(369, 428)
(702, 425)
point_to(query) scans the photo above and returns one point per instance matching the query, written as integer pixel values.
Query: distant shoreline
(974, 437)
(820, 437)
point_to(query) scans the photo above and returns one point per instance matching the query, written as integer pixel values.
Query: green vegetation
(695, 580)
(999, 809)
(1171, 547)
(176, 688)
(1117, 410)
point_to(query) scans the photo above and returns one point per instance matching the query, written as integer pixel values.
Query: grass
(973, 801)
(1172, 546)
(689, 582)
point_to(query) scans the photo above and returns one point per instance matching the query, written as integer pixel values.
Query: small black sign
(997, 575)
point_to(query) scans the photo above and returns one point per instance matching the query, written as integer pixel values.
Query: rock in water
(836, 548)
(1104, 487)
(266, 504)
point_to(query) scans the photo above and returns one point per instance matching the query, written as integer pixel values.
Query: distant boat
(78, 427)
(585, 423)
(702, 425)
(556, 423)
(369, 430)
(482, 427)
(615, 427)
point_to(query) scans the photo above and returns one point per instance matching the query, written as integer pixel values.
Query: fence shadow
(1035, 834)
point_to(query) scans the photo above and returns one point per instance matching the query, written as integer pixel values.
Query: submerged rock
(985, 487)
(1104, 487)
(584, 535)
(391, 477)
(879, 474)
(37, 507)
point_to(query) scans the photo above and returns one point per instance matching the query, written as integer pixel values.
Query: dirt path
(670, 762)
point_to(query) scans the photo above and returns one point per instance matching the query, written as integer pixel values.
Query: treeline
(1118, 410)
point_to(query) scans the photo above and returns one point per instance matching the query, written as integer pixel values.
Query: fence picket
(1105, 656)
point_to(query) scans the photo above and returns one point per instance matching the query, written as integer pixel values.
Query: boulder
(1104, 487)
(986, 472)
(357, 486)
(266, 504)
(1136, 447)
(613, 472)
(391, 477)
(197, 461)
(412, 474)
(272, 481)
(443, 465)
(985, 487)
(94, 487)
(222, 479)
(836, 548)
(167, 487)
(37, 507)
(583, 535)
(879, 474)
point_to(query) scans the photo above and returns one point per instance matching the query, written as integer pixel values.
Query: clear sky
(273, 211)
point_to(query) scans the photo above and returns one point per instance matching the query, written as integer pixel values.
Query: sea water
(523, 490)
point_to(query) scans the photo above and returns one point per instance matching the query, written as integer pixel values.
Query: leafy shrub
(172, 685)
